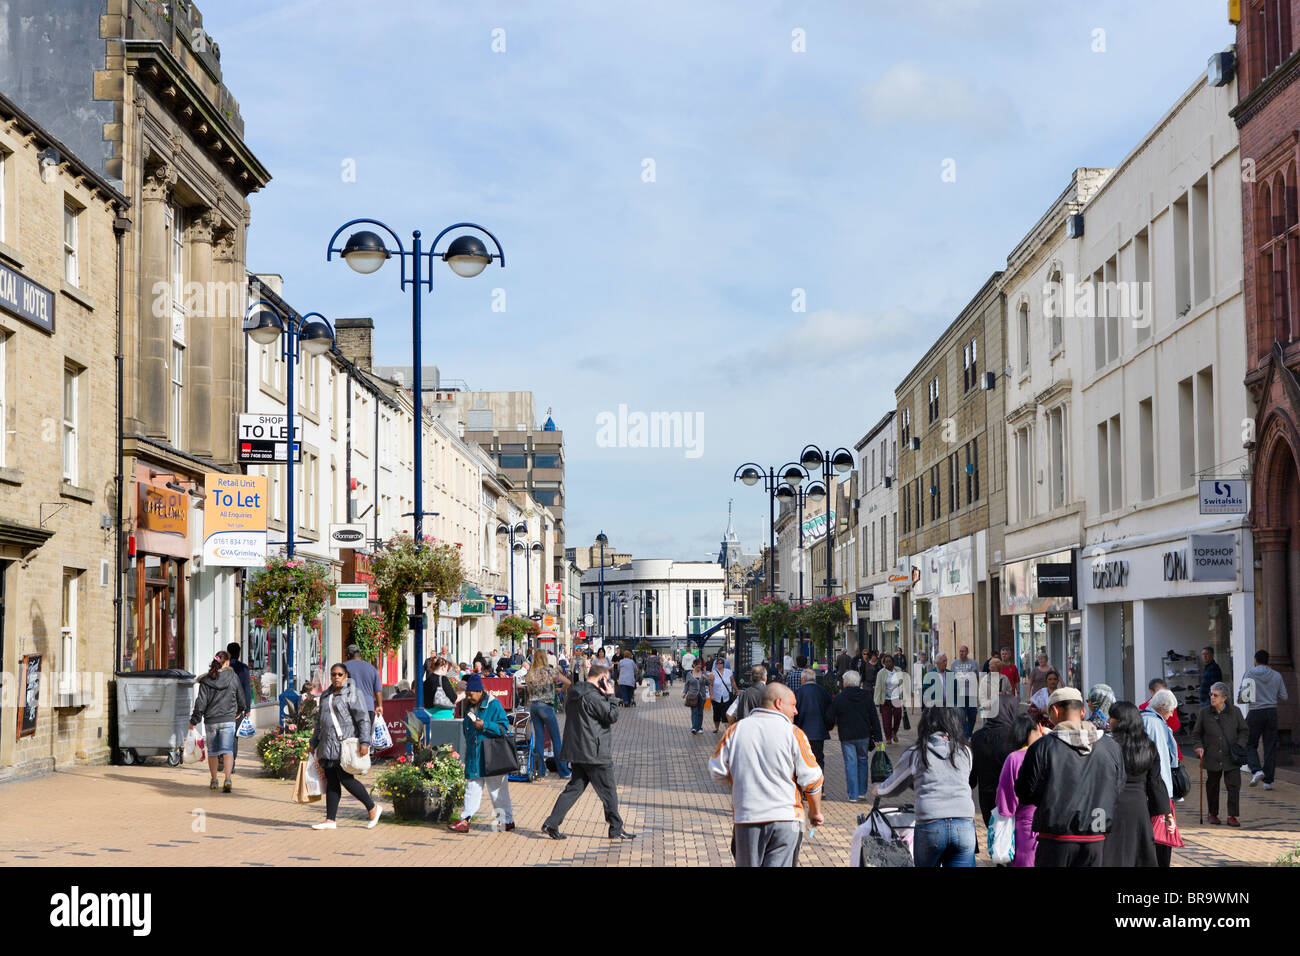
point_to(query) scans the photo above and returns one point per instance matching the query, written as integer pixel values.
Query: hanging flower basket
(370, 633)
(285, 592)
(403, 567)
(517, 628)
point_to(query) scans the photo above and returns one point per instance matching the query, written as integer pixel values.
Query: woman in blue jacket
(484, 717)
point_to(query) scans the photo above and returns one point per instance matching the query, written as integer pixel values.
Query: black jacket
(989, 747)
(812, 701)
(1074, 787)
(588, 715)
(751, 698)
(1220, 734)
(854, 712)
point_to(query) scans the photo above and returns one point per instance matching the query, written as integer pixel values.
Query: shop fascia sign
(1109, 574)
(1207, 557)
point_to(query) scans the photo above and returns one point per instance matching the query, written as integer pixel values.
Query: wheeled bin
(153, 714)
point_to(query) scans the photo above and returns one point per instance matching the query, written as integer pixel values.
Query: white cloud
(909, 95)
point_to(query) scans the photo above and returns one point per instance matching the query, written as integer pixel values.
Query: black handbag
(498, 757)
(1182, 782)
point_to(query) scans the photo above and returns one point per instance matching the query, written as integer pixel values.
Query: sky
(758, 214)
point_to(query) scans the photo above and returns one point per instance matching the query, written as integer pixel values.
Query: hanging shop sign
(1223, 496)
(352, 597)
(1057, 580)
(348, 535)
(264, 439)
(862, 600)
(234, 520)
(553, 592)
(161, 509)
(501, 602)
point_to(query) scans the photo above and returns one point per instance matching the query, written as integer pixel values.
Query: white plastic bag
(314, 777)
(246, 728)
(380, 738)
(1002, 838)
(196, 747)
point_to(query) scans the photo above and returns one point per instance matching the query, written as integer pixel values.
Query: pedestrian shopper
(366, 681)
(771, 769)
(751, 697)
(1038, 700)
(990, 746)
(843, 664)
(589, 712)
(1159, 727)
(1261, 689)
(1010, 671)
(1131, 842)
(246, 682)
(1211, 674)
(795, 677)
(812, 701)
(1072, 776)
(626, 679)
(221, 703)
(966, 675)
(1100, 699)
(1024, 733)
(484, 717)
(852, 713)
(439, 690)
(1153, 685)
(722, 690)
(695, 691)
(654, 671)
(871, 669)
(938, 768)
(1219, 738)
(544, 682)
(888, 696)
(342, 714)
(1038, 676)
(937, 688)
(688, 660)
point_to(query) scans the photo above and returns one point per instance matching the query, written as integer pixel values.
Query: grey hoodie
(942, 788)
(221, 699)
(1267, 686)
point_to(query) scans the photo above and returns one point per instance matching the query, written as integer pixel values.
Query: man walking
(795, 677)
(365, 681)
(966, 676)
(245, 681)
(768, 763)
(1211, 674)
(589, 712)
(853, 714)
(812, 701)
(1262, 688)
(1073, 776)
(751, 698)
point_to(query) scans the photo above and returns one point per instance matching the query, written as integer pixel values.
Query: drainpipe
(121, 225)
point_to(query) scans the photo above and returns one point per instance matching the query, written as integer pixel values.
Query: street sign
(535, 616)
(264, 439)
(501, 602)
(553, 592)
(1223, 497)
(347, 535)
(473, 606)
(352, 597)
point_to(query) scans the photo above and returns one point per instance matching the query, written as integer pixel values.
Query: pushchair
(884, 836)
(520, 724)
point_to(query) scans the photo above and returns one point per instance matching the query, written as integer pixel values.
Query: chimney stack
(355, 341)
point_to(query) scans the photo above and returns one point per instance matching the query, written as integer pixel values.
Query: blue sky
(774, 170)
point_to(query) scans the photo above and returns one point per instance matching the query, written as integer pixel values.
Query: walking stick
(1201, 775)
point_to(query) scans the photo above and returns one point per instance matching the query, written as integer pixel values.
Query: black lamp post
(793, 475)
(600, 600)
(467, 256)
(830, 462)
(310, 333)
(511, 530)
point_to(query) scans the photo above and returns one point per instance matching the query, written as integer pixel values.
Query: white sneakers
(1268, 786)
(379, 812)
(370, 825)
(1257, 777)
(327, 825)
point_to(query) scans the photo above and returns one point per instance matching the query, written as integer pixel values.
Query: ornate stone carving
(203, 227)
(158, 179)
(223, 240)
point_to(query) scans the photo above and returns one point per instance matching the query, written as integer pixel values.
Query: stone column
(228, 345)
(199, 335)
(155, 305)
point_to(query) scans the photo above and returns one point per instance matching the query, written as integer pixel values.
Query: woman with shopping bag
(489, 755)
(219, 705)
(341, 745)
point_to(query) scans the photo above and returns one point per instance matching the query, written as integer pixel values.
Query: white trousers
(498, 789)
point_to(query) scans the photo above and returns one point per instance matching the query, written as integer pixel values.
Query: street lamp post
(600, 600)
(793, 476)
(310, 333)
(365, 252)
(840, 460)
(511, 530)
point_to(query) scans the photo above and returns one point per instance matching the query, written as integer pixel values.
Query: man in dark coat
(751, 698)
(1211, 674)
(813, 702)
(990, 746)
(589, 712)
(854, 712)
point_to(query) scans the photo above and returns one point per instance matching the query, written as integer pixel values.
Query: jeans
(857, 766)
(625, 694)
(697, 715)
(947, 842)
(221, 739)
(498, 788)
(543, 721)
(1263, 725)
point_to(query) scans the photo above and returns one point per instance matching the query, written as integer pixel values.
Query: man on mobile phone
(590, 711)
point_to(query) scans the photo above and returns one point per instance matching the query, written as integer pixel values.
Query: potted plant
(820, 616)
(428, 785)
(370, 633)
(404, 566)
(283, 749)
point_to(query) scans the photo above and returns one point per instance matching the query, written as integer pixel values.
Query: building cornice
(1268, 90)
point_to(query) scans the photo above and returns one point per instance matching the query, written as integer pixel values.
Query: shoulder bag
(496, 756)
(350, 758)
(1182, 783)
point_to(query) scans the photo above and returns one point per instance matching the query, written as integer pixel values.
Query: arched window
(1054, 307)
(1023, 326)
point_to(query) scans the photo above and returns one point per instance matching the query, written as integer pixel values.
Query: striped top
(770, 766)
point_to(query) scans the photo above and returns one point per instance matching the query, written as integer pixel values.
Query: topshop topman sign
(22, 297)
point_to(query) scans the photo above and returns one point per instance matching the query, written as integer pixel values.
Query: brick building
(59, 271)
(1268, 121)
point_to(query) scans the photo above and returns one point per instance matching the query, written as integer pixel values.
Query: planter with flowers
(403, 566)
(428, 785)
(774, 618)
(283, 749)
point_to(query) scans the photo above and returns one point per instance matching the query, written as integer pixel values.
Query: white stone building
(876, 607)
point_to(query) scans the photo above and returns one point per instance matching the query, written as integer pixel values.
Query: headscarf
(1100, 698)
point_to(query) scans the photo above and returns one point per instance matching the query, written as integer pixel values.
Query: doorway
(160, 601)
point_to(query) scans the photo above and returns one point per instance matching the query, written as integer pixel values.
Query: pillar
(226, 328)
(1272, 545)
(155, 308)
(198, 336)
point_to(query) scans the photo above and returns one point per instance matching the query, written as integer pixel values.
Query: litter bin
(153, 714)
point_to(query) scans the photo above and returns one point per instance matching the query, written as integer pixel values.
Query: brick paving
(156, 815)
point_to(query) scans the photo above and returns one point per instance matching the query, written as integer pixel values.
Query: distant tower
(549, 426)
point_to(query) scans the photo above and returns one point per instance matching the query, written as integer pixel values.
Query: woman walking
(1130, 841)
(626, 679)
(1220, 738)
(695, 691)
(220, 704)
(341, 715)
(1100, 700)
(938, 767)
(722, 688)
(1155, 721)
(990, 746)
(439, 691)
(484, 717)
(543, 679)
(1024, 731)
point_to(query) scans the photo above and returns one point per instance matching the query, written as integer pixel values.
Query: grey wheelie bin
(153, 714)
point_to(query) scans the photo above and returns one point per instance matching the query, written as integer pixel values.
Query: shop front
(1039, 594)
(1150, 605)
(944, 599)
(155, 591)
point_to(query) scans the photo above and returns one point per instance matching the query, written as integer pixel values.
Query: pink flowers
(292, 727)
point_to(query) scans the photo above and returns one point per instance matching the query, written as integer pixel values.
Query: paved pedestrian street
(156, 815)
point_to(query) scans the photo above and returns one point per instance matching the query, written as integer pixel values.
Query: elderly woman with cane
(1219, 739)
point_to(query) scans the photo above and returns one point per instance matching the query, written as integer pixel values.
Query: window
(1147, 450)
(934, 493)
(3, 157)
(884, 459)
(547, 461)
(1186, 434)
(1024, 472)
(311, 474)
(953, 492)
(1205, 420)
(1110, 280)
(1058, 456)
(4, 407)
(1182, 261)
(934, 399)
(907, 509)
(178, 393)
(68, 633)
(884, 542)
(906, 426)
(1200, 230)
(71, 375)
(873, 469)
(1116, 465)
(1110, 480)
(970, 365)
(1024, 336)
(1139, 299)
(1056, 309)
(972, 471)
(71, 268)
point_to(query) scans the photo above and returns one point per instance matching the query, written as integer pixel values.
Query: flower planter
(435, 805)
(287, 771)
